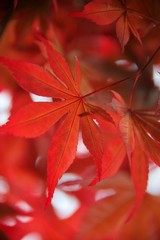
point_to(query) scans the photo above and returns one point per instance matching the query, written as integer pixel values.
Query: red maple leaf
(36, 118)
(136, 135)
(106, 215)
(127, 17)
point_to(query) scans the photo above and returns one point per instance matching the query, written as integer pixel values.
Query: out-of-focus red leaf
(101, 12)
(107, 215)
(148, 216)
(105, 12)
(97, 46)
(8, 210)
(122, 30)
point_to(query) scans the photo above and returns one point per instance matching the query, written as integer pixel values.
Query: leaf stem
(139, 73)
(108, 86)
(136, 76)
(153, 20)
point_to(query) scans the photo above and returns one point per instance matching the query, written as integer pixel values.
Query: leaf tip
(93, 182)
(49, 197)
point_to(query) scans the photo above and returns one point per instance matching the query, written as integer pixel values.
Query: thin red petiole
(107, 87)
(138, 75)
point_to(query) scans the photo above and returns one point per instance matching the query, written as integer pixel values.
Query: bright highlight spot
(81, 149)
(5, 106)
(65, 205)
(71, 180)
(10, 222)
(24, 219)
(32, 236)
(104, 193)
(125, 63)
(37, 98)
(4, 187)
(24, 206)
(154, 181)
(156, 75)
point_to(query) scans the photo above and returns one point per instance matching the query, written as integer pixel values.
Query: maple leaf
(148, 210)
(104, 12)
(36, 118)
(106, 216)
(136, 135)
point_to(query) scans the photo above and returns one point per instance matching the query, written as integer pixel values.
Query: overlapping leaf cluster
(103, 99)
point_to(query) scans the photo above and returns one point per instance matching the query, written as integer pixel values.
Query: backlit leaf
(123, 13)
(71, 108)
